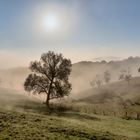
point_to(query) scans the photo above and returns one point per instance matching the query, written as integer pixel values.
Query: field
(25, 118)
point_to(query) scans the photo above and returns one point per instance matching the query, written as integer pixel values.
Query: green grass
(66, 126)
(22, 118)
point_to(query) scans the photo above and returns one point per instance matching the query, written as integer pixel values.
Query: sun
(51, 22)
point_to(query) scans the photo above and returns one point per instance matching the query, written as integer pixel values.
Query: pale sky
(80, 29)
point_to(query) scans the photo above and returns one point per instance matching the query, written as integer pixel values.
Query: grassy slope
(114, 99)
(120, 88)
(15, 125)
(24, 123)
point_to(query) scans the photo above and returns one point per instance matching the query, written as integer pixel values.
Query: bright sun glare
(51, 22)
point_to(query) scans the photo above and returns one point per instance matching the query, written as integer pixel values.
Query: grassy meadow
(22, 117)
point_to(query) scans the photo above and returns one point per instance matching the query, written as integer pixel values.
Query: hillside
(116, 99)
(22, 117)
(85, 71)
(121, 90)
(16, 100)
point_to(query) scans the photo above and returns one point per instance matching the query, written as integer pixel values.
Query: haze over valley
(69, 70)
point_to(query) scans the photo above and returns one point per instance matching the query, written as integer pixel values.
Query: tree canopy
(50, 75)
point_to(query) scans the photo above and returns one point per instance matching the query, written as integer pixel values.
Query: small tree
(49, 76)
(97, 82)
(92, 83)
(126, 75)
(107, 76)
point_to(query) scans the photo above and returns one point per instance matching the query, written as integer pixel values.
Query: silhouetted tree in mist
(97, 82)
(50, 75)
(107, 76)
(126, 75)
(92, 83)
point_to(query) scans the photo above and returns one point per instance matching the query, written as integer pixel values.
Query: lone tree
(50, 75)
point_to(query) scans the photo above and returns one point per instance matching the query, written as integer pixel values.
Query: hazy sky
(85, 29)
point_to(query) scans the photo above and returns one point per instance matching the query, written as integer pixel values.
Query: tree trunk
(48, 95)
(47, 101)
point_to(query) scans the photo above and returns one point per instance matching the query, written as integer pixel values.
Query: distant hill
(108, 58)
(85, 71)
(82, 73)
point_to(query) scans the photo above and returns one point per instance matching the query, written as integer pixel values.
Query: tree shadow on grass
(55, 110)
(77, 115)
